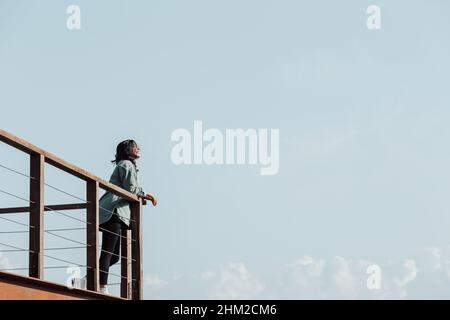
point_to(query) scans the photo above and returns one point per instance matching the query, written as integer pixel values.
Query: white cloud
(304, 274)
(234, 281)
(230, 281)
(154, 282)
(208, 274)
(310, 266)
(434, 256)
(340, 278)
(348, 276)
(424, 275)
(410, 273)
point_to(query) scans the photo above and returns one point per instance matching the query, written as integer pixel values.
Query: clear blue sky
(363, 118)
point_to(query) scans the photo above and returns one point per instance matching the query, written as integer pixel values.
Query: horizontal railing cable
(15, 171)
(16, 222)
(45, 255)
(15, 196)
(15, 231)
(68, 239)
(64, 248)
(66, 229)
(14, 269)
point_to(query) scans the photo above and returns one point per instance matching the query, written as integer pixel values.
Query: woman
(114, 212)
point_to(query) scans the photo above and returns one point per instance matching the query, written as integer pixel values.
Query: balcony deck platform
(18, 287)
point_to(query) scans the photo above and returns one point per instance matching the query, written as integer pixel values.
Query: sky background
(363, 118)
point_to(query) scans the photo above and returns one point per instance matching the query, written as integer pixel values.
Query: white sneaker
(83, 283)
(79, 283)
(104, 290)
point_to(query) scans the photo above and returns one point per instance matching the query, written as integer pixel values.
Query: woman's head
(127, 150)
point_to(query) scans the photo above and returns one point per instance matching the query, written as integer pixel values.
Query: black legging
(111, 244)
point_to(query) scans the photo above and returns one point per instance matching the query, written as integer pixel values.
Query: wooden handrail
(55, 161)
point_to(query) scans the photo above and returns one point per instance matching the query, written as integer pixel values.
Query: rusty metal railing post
(125, 283)
(36, 237)
(92, 258)
(136, 235)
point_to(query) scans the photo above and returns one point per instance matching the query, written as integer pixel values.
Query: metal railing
(131, 284)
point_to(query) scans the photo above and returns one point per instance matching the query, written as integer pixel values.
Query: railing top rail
(55, 161)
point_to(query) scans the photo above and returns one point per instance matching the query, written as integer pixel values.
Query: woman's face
(135, 151)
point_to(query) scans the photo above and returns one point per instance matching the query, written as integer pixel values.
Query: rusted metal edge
(53, 287)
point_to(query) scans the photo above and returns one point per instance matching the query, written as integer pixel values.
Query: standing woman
(114, 212)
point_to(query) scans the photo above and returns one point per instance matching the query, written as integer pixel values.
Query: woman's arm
(128, 177)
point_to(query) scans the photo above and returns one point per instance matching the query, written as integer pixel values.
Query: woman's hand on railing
(151, 197)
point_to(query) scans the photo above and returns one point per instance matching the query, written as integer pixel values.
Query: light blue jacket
(124, 176)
